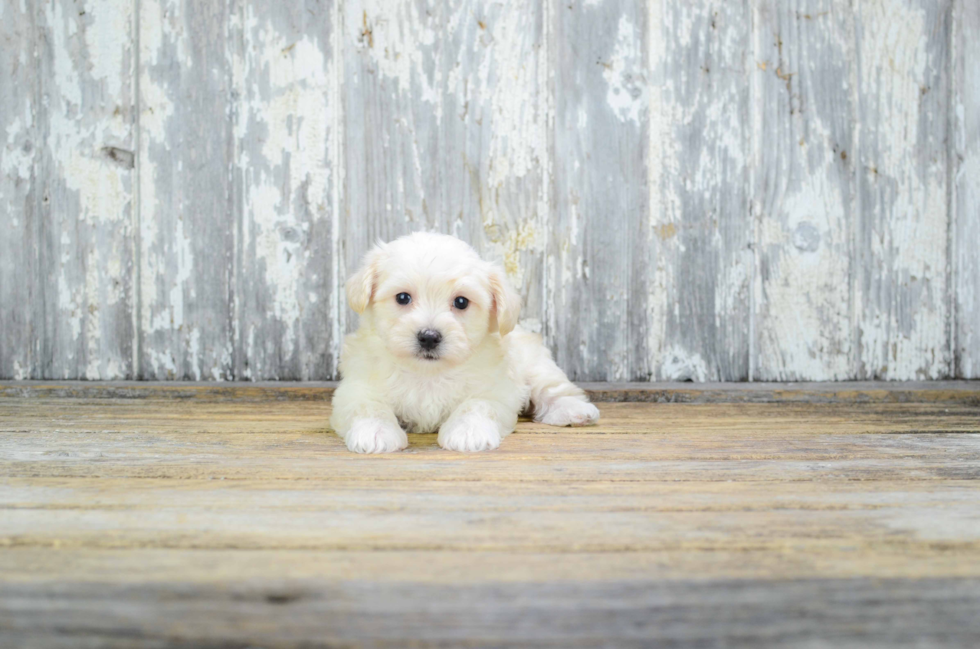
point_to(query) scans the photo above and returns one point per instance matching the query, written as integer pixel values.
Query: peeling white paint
(16, 162)
(905, 203)
(21, 373)
(108, 37)
(658, 219)
(805, 328)
(286, 133)
(17, 186)
(515, 149)
(678, 364)
(400, 39)
(90, 195)
(625, 74)
(967, 288)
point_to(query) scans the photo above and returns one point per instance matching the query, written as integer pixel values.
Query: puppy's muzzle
(429, 339)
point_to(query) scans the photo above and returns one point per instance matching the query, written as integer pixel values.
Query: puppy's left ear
(506, 305)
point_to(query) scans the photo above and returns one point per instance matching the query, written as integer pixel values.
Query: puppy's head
(431, 299)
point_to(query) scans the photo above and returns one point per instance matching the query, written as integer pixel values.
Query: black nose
(429, 339)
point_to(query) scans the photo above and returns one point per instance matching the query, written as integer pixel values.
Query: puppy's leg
(365, 422)
(477, 425)
(556, 401)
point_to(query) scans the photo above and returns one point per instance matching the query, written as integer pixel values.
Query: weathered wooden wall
(708, 190)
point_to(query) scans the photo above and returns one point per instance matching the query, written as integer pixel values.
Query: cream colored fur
(486, 370)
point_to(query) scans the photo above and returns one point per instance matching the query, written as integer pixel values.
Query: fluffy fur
(472, 386)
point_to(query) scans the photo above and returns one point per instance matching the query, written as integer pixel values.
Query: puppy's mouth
(427, 356)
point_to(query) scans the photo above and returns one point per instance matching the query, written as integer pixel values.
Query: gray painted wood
(18, 110)
(85, 181)
(666, 182)
(902, 222)
(805, 73)
(187, 224)
(965, 178)
(701, 220)
(391, 94)
(286, 171)
(496, 139)
(597, 251)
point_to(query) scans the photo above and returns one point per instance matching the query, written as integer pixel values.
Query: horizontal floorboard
(729, 613)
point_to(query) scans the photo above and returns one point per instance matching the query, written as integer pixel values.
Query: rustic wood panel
(18, 193)
(187, 205)
(154, 523)
(445, 130)
(287, 173)
(86, 182)
(700, 217)
(903, 224)
(598, 251)
(965, 178)
(682, 191)
(806, 75)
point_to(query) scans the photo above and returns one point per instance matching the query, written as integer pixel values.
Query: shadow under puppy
(438, 350)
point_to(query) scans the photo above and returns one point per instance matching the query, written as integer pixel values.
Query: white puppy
(437, 350)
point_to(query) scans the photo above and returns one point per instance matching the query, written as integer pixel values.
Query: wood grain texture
(965, 179)
(903, 94)
(597, 253)
(287, 174)
(18, 192)
(86, 182)
(806, 74)
(188, 209)
(445, 131)
(700, 223)
(153, 522)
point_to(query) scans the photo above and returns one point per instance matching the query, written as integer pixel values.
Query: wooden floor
(227, 517)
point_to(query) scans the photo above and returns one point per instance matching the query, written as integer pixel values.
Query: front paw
(375, 436)
(569, 411)
(469, 433)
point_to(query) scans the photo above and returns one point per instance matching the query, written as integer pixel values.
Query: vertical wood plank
(17, 189)
(702, 229)
(601, 197)
(806, 72)
(85, 163)
(392, 102)
(496, 137)
(446, 130)
(288, 177)
(902, 234)
(187, 204)
(965, 174)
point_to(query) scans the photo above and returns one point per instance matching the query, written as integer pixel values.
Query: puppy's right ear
(362, 284)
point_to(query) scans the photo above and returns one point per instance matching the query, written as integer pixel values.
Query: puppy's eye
(403, 298)
(461, 303)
